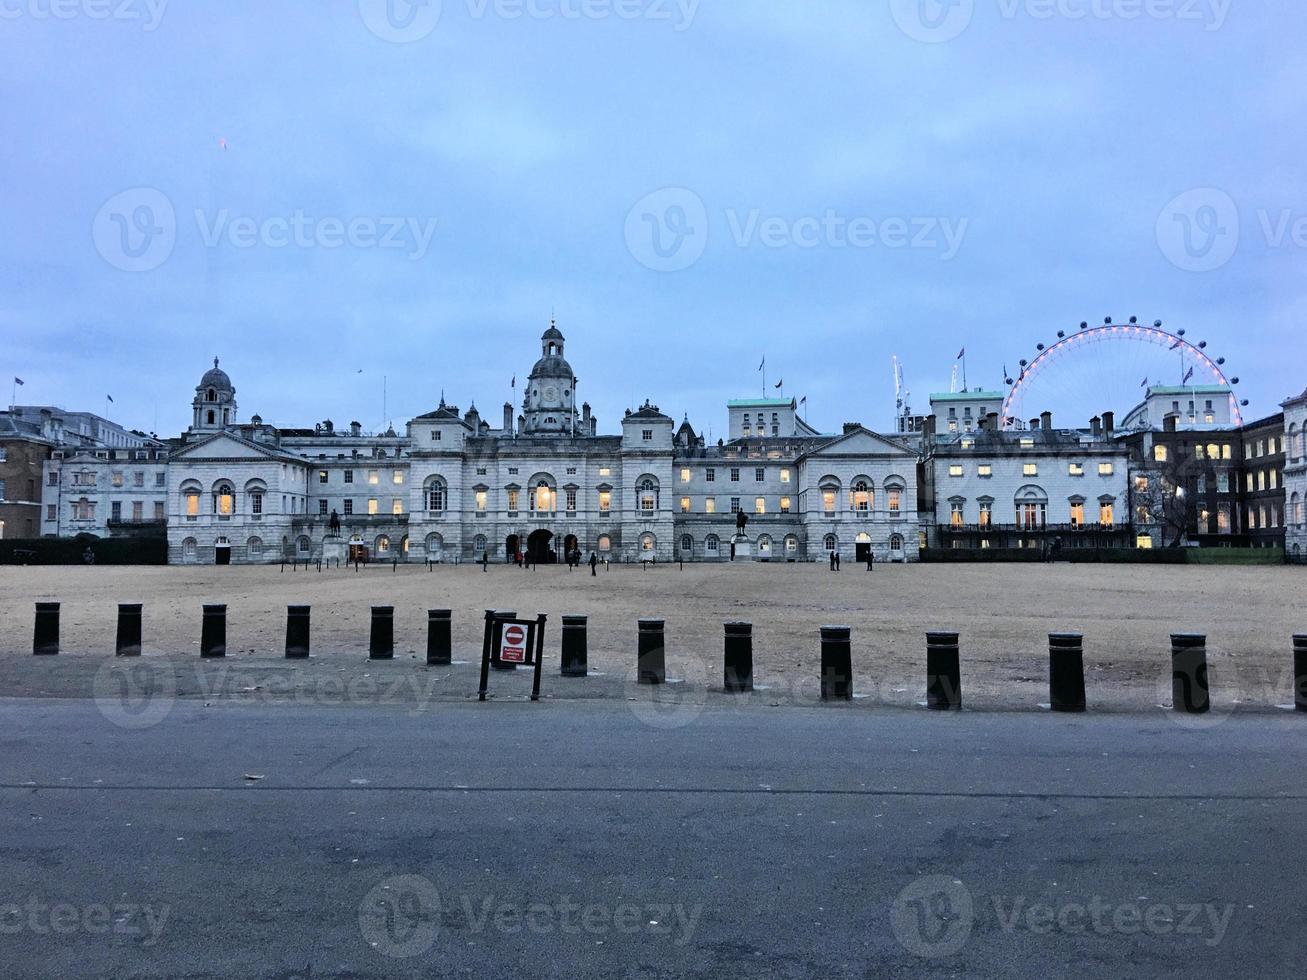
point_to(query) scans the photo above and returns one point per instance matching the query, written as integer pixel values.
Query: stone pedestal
(743, 548)
(334, 549)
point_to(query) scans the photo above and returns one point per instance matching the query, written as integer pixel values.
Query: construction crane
(902, 408)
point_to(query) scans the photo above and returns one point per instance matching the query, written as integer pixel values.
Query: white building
(1295, 477)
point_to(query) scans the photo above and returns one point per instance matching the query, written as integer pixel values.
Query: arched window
(1295, 509)
(764, 544)
(862, 496)
(830, 542)
(436, 496)
(254, 548)
(213, 397)
(435, 546)
(542, 498)
(711, 545)
(224, 500)
(791, 544)
(605, 544)
(479, 544)
(303, 545)
(209, 416)
(896, 542)
(190, 548)
(647, 545)
(648, 496)
(383, 545)
(687, 546)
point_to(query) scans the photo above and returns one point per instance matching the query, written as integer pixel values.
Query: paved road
(582, 840)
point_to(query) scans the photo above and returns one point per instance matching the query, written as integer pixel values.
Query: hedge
(152, 550)
(1121, 556)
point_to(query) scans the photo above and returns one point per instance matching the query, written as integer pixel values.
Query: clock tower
(549, 403)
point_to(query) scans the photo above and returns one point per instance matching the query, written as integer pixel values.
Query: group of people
(835, 560)
(524, 561)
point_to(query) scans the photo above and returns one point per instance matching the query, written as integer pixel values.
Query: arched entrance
(569, 546)
(862, 547)
(512, 545)
(222, 552)
(538, 547)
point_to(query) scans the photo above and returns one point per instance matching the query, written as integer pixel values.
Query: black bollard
(504, 614)
(1066, 671)
(297, 632)
(45, 632)
(836, 663)
(575, 656)
(943, 672)
(1189, 673)
(213, 631)
(651, 657)
(439, 646)
(128, 641)
(738, 658)
(381, 641)
(1300, 671)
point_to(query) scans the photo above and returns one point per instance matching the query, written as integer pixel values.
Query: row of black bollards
(1066, 667)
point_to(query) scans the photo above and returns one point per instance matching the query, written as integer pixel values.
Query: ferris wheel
(1111, 368)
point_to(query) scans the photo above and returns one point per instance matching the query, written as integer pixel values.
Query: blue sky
(311, 190)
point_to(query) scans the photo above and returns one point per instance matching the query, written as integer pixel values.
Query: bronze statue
(741, 519)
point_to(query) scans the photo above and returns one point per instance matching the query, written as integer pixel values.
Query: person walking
(871, 560)
(832, 559)
(485, 560)
(594, 562)
(837, 561)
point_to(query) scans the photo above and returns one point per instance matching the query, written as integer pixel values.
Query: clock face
(551, 393)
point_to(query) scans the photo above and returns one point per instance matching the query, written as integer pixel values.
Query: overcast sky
(326, 193)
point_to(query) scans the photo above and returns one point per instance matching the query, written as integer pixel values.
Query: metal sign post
(512, 642)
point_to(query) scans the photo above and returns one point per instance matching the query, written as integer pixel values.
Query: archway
(862, 547)
(512, 545)
(537, 547)
(570, 545)
(222, 552)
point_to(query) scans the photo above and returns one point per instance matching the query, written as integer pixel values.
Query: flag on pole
(1189, 374)
(763, 363)
(779, 383)
(1176, 344)
(109, 397)
(19, 381)
(961, 354)
(803, 400)
(1144, 383)
(514, 382)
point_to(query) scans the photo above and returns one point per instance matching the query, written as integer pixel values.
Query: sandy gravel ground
(1004, 613)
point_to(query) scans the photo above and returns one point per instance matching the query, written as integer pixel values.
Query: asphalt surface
(600, 839)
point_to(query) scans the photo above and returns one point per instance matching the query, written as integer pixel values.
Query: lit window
(986, 513)
(224, 500)
(1077, 513)
(398, 477)
(374, 477)
(1030, 469)
(894, 499)
(323, 476)
(1027, 442)
(785, 505)
(605, 501)
(955, 517)
(1075, 469)
(1106, 469)
(785, 476)
(967, 443)
(685, 505)
(685, 474)
(481, 501)
(955, 469)
(1105, 514)
(984, 469)
(1159, 454)
(605, 471)
(1141, 484)
(372, 507)
(710, 505)
(605, 543)
(1144, 541)
(436, 496)
(759, 505)
(397, 505)
(648, 496)
(828, 501)
(861, 497)
(571, 500)
(192, 504)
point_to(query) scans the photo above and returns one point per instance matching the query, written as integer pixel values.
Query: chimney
(928, 427)
(356, 429)
(329, 425)
(1046, 420)
(1169, 423)
(508, 418)
(984, 423)
(521, 424)
(1109, 424)
(585, 411)
(851, 427)
(1096, 427)
(1034, 424)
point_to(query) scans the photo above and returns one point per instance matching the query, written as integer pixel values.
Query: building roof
(970, 396)
(215, 377)
(648, 412)
(1190, 389)
(760, 403)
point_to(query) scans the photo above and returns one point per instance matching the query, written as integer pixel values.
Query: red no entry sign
(514, 648)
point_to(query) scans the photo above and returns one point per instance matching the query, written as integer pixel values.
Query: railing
(1032, 529)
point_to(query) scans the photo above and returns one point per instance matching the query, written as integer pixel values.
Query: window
(372, 506)
(1106, 514)
(760, 505)
(374, 477)
(160, 479)
(50, 512)
(605, 543)
(398, 477)
(256, 502)
(512, 501)
(896, 542)
(710, 475)
(224, 500)
(322, 508)
(828, 502)
(383, 545)
(785, 505)
(479, 544)
(116, 479)
(1077, 513)
(710, 505)
(1144, 541)
(685, 474)
(1142, 516)
(735, 505)
(349, 476)
(955, 513)
(759, 475)
(436, 496)
(138, 479)
(648, 496)
(685, 505)
(1030, 469)
(481, 471)
(646, 545)
(1031, 516)
(605, 501)
(115, 509)
(322, 476)
(571, 471)
(542, 499)
(397, 505)
(349, 507)
(481, 502)
(985, 470)
(1106, 469)
(605, 471)
(1027, 442)
(955, 469)
(51, 479)
(986, 513)
(646, 435)
(711, 545)
(861, 497)
(571, 500)
(1075, 469)
(785, 475)
(192, 505)
(895, 498)
(435, 435)
(830, 542)
(735, 474)
(1141, 484)
(1159, 454)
